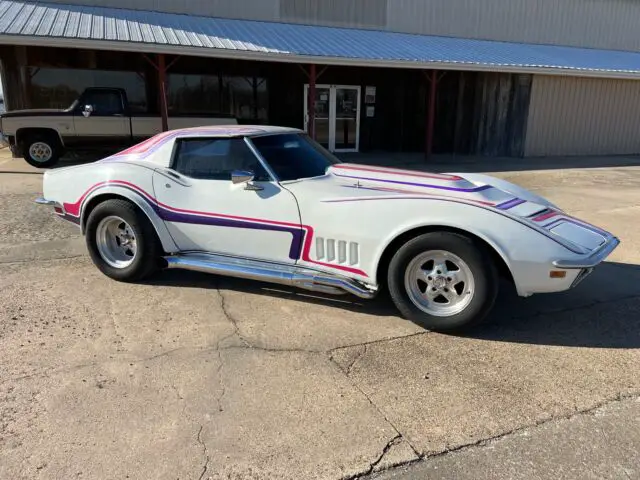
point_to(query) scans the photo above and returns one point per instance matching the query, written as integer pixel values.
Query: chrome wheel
(439, 283)
(40, 152)
(116, 242)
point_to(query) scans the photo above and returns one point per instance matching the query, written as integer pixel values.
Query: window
(104, 102)
(215, 159)
(60, 87)
(294, 156)
(194, 94)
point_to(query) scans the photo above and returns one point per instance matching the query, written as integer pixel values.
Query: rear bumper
(595, 258)
(44, 201)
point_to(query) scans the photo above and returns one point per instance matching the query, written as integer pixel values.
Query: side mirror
(244, 176)
(87, 110)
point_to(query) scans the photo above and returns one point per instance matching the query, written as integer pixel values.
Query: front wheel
(122, 242)
(443, 281)
(42, 151)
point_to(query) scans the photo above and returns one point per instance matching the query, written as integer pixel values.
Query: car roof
(233, 131)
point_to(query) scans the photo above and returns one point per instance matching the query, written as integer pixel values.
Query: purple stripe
(438, 187)
(510, 204)
(170, 216)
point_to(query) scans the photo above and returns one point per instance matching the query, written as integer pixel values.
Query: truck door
(100, 119)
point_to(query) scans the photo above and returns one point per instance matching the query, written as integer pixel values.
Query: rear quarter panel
(77, 187)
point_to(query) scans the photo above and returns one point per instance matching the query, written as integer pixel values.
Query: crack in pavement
(375, 407)
(487, 441)
(372, 466)
(205, 453)
(228, 316)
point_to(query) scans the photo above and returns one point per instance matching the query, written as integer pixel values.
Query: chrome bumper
(44, 201)
(596, 257)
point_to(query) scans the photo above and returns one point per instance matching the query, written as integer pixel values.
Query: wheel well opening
(94, 202)
(392, 248)
(24, 133)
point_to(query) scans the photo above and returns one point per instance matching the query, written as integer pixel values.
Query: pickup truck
(99, 120)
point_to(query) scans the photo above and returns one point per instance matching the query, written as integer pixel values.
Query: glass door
(346, 119)
(337, 116)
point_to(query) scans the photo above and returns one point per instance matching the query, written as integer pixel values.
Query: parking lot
(193, 376)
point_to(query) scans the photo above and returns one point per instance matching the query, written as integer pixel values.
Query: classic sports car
(270, 204)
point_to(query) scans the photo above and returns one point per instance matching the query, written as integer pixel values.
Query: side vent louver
(337, 251)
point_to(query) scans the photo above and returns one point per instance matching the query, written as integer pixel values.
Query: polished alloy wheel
(40, 152)
(116, 242)
(439, 283)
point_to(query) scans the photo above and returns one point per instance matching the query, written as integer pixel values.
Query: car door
(205, 211)
(100, 120)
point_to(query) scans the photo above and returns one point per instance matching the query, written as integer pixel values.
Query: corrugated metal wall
(579, 116)
(610, 24)
(589, 23)
(352, 13)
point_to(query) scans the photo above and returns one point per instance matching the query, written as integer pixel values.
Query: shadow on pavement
(602, 312)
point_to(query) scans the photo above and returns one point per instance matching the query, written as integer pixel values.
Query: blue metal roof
(47, 24)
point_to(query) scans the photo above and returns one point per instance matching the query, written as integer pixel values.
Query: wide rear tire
(443, 281)
(122, 241)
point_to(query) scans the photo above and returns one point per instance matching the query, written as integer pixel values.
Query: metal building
(488, 77)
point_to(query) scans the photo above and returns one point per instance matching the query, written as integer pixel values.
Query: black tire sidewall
(49, 140)
(474, 255)
(147, 254)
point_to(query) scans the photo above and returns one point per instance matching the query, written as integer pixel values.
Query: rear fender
(107, 192)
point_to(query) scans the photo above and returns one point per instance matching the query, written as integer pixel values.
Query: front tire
(443, 281)
(42, 151)
(122, 242)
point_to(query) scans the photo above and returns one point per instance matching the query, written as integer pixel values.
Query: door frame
(332, 114)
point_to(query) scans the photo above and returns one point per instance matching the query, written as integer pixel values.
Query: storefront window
(243, 97)
(193, 94)
(59, 87)
(246, 98)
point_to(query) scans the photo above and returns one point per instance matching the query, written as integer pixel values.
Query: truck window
(104, 102)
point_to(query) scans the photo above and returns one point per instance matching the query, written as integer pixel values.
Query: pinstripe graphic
(302, 234)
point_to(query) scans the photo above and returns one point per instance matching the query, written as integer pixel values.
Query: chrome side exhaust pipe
(270, 273)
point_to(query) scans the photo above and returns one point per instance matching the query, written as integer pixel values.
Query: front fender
(527, 253)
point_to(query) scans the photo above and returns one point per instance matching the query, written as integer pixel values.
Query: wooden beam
(162, 87)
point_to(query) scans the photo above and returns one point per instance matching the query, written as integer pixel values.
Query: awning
(48, 24)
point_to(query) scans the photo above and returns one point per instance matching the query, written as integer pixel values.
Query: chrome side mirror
(244, 176)
(87, 111)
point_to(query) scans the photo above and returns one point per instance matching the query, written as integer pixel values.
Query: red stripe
(545, 216)
(396, 171)
(74, 209)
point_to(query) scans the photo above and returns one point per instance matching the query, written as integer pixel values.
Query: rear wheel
(121, 241)
(443, 281)
(42, 150)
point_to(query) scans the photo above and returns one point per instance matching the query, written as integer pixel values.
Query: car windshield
(293, 156)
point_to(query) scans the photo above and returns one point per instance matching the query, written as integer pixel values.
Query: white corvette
(270, 204)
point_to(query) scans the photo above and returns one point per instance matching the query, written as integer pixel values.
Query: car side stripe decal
(302, 234)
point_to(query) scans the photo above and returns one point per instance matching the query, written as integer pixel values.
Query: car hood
(469, 188)
(352, 182)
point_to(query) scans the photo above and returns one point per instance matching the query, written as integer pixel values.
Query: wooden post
(311, 102)
(431, 112)
(162, 88)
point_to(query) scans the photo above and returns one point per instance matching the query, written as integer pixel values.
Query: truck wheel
(122, 242)
(443, 281)
(42, 151)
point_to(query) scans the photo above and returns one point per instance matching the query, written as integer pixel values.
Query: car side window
(216, 158)
(103, 102)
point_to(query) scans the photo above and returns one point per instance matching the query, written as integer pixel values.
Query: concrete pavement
(194, 376)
